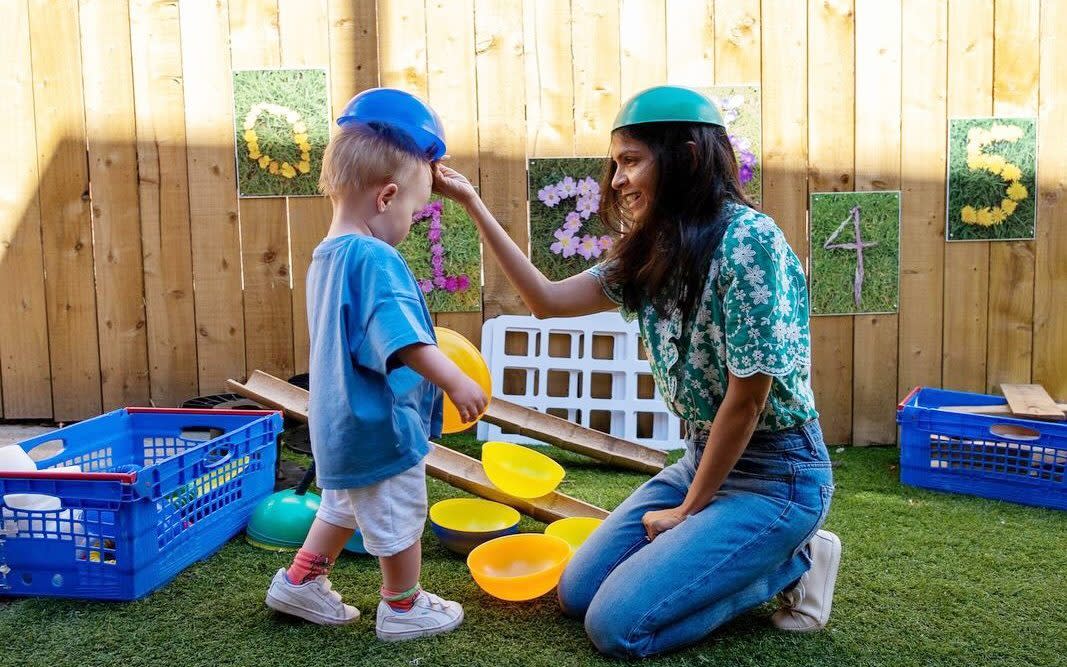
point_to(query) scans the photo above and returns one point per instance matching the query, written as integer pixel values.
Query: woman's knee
(574, 594)
(613, 631)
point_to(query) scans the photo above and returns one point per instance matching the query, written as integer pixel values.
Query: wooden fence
(131, 271)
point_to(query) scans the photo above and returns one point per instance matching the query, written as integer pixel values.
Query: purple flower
(548, 196)
(451, 284)
(437, 250)
(588, 247)
(573, 222)
(434, 235)
(463, 282)
(438, 264)
(744, 174)
(426, 286)
(606, 242)
(568, 187)
(567, 245)
(439, 282)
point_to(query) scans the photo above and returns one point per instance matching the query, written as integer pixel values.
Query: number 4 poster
(855, 252)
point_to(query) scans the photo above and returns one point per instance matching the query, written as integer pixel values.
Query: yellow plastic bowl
(463, 354)
(519, 567)
(573, 529)
(463, 523)
(520, 471)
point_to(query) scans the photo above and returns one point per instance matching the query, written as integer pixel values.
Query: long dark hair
(683, 227)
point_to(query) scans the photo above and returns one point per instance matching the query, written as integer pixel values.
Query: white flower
(750, 321)
(761, 295)
(741, 232)
(792, 333)
(743, 254)
(780, 330)
(754, 275)
(715, 331)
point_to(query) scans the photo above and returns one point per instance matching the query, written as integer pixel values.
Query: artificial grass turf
(926, 579)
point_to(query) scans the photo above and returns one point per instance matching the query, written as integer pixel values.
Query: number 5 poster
(855, 252)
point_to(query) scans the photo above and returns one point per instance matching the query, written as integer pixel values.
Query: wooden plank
(549, 78)
(303, 29)
(502, 137)
(1016, 56)
(596, 74)
(737, 42)
(452, 90)
(164, 201)
(255, 42)
(878, 137)
(691, 43)
(1050, 317)
(64, 197)
(1031, 401)
(643, 36)
(353, 49)
(515, 418)
(459, 470)
(402, 45)
(923, 150)
(784, 89)
(214, 226)
(112, 133)
(24, 367)
(831, 122)
(970, 93)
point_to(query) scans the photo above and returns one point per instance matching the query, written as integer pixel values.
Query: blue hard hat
(400, 111)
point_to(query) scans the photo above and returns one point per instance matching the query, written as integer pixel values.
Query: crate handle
(1015, 432)
(215, 464)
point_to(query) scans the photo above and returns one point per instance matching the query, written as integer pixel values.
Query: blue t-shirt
(370, 416)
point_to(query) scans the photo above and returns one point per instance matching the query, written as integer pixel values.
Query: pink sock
(401, 600)
(307, 565)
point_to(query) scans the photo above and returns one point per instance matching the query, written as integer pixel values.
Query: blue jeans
(639, 598)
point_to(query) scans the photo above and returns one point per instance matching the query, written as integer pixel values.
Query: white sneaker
(314, 600)
(430, 615)
(806, 606)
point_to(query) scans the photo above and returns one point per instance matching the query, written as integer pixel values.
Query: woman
(723, 308)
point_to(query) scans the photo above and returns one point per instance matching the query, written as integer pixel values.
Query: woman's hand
(660, 521)
(448, 182)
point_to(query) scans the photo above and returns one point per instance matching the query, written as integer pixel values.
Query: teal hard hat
(667, 104)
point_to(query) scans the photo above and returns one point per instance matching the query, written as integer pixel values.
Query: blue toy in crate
(159, 489)
(1002, 457)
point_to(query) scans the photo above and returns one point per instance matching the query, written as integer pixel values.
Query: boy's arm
(429, 362)
(578, 295)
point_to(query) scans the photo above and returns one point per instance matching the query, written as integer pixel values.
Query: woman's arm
(731, 430)
(578, 295)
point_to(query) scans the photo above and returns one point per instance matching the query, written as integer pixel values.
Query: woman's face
(635, 175)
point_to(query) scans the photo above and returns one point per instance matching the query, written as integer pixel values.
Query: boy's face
(397, 203)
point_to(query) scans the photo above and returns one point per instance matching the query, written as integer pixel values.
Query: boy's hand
(448, 182)
(468, 397)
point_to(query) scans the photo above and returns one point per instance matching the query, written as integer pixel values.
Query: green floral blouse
(752, 318)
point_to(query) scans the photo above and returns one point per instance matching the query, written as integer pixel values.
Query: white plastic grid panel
(544, 353)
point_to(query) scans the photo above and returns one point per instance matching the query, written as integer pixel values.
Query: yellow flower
(264, 161)
(998, 215)
(253, 151)
(975, 161)
(304, 147)
(1010, 172)
(985, 217)
(304, 166)
(968, 215)
(300, 128)
(273, 167)
(287, 170)
(300, 138)
(995, 163)
(1017, 191)
(305, 156)
(1008, 206)
(250, 136)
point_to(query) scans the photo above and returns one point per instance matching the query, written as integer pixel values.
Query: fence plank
(643, 37)
(691, 42)
(502, 137)
(737, 42)
(922, 238)
(1050, 317)
(164, 201)
(1016, 58)
(970, 93)
(64, 197)
(24, 366)
(303, 27)
(214, 226)
(831, 123)
(878, 104)
(784, 90)
(111, 129)
(452, 90)
(596, 74)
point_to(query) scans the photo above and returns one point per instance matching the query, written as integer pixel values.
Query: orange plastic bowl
(520, 471)
(463, 354)
(519, 567)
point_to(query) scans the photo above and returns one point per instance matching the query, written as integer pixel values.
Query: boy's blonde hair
(361, 156)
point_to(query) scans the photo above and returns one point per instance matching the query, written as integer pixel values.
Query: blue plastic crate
(159, 490)
(1001, 457)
